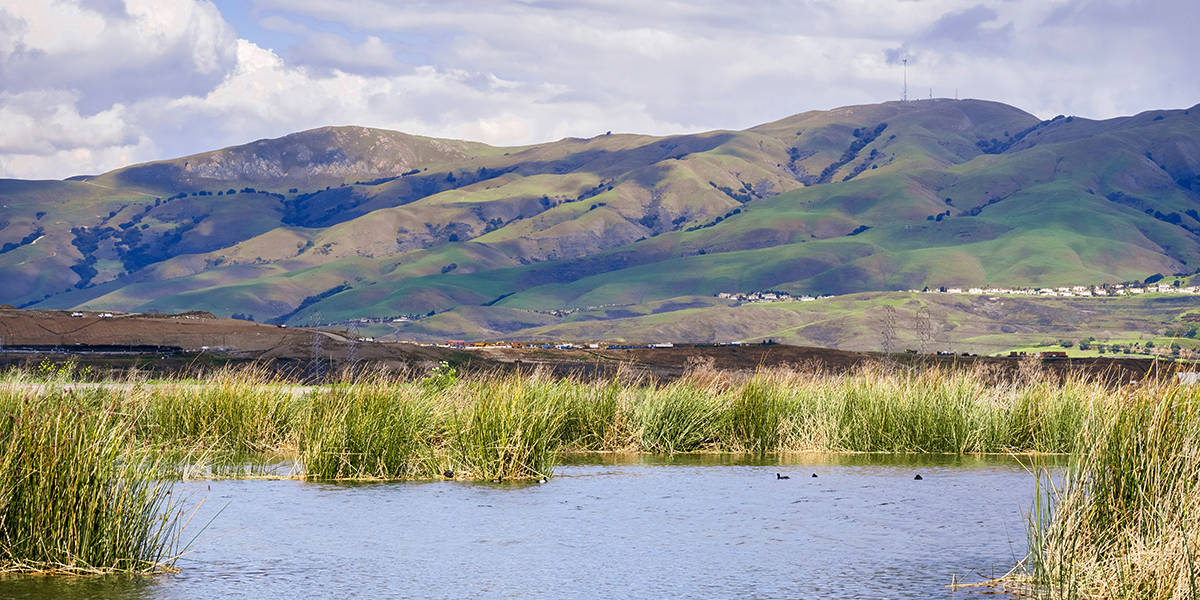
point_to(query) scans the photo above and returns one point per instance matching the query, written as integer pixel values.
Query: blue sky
(87, 86)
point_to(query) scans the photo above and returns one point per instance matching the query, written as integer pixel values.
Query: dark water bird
(448, 474)
(542, 480)
(814, 474)
(918, 477)
(781, 476)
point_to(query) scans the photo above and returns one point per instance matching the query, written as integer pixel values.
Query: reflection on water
(615, 526)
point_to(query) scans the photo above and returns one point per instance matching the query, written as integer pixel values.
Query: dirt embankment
(178, 341)
(190, 338)
(188, 331)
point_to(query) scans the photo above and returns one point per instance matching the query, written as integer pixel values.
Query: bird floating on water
(814, 474)
(781, 476)
(448, 474)
(918, 477)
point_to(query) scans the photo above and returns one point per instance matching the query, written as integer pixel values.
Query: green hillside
(958, 323)
(343, 223)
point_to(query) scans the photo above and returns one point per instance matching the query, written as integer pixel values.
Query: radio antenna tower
(905, 96)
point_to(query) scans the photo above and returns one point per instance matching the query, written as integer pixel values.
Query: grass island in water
(87, 467)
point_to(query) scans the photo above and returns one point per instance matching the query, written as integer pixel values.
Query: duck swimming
(781, 476)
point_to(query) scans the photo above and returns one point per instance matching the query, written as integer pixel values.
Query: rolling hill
(341, 223)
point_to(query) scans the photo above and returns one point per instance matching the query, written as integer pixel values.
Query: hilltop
(342, 223)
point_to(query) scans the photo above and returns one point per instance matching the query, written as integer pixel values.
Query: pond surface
(633, 527)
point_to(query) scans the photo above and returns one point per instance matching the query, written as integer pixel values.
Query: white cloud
(264, 96)
(87, 88)
(145, 48)
(45, 122)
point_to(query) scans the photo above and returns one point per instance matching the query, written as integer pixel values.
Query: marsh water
(628, 527)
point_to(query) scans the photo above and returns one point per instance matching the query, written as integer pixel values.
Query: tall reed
(82, 471)
(502, 428)
(490, 426)
(755, 416)
(1124, 521)
(885, 410)
(74, 494)
(679, 417)
(368, 431)
(234, 414)
(593, 418)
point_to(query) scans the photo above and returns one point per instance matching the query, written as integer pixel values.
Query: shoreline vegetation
(87, 469)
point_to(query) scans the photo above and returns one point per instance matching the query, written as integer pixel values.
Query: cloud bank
(87, 86)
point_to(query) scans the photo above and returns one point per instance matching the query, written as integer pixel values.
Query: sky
(87, 86)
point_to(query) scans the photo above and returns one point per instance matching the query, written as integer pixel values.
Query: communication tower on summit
(904, 97)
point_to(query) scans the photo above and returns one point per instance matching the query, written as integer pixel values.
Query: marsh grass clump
(75, 496)
(232, 416)
(1124, 521)
(368, 431)
(679, 417)
(503, 428)
(85, 469)
(931, 411)
(592, 415)
(755, 417)
(1049, 417)
(878, 409)
(384, 426)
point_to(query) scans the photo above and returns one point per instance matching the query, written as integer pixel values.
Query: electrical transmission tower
(889, 329)
(315, 365)
(924, 330)
(352, 352)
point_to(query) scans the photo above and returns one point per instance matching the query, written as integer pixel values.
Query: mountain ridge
(863, 198)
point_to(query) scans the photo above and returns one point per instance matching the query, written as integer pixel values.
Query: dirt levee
(183, 337)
